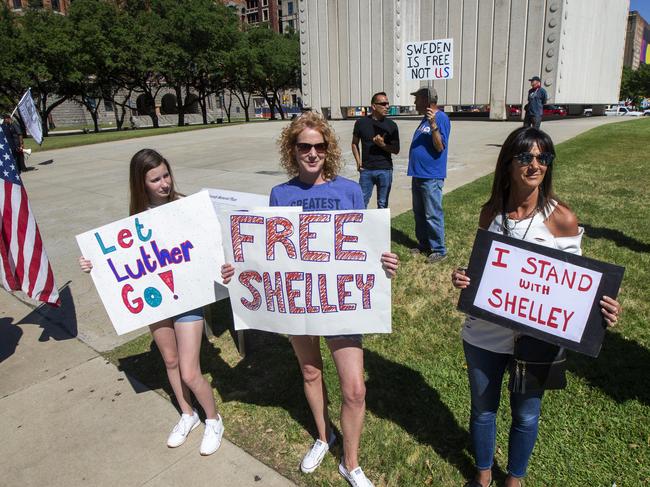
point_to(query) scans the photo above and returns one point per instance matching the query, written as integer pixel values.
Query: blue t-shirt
(338, 194)
(424, 160)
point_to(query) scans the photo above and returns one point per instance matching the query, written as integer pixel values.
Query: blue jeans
(383, 178)
(429, 218)
(485, 370)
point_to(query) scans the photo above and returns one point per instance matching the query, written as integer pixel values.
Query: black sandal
(476, 483)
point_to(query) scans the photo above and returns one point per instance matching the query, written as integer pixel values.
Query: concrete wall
(353, 48)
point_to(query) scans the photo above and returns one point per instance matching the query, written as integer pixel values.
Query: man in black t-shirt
(379, 138)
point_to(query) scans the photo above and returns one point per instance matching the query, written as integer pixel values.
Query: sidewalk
(71, 418)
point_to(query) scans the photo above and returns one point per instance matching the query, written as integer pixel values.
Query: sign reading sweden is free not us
(429, 59)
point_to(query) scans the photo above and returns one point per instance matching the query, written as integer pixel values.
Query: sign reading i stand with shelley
(539, 291)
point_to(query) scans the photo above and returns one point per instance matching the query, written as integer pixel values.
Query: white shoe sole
(311, 470)
(196, 425)
(208, 453)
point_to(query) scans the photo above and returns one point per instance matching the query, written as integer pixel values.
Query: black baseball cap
(535, 78)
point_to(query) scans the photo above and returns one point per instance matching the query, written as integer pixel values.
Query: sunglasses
(305, 148)
(382, 103)
(526, 158)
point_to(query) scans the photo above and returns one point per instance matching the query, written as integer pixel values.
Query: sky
(641, 6)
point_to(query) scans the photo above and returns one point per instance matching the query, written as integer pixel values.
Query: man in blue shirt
(428, 167)
(537, 98)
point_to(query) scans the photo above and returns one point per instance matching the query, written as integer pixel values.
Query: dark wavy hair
(289, 136)
(521, 140)
(141, 163)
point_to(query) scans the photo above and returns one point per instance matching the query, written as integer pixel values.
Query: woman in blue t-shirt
(310, 153)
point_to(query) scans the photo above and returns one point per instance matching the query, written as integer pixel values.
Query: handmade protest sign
(429, 59)
(309, 273)
(156, 264)
(237, 200)
(539, 291)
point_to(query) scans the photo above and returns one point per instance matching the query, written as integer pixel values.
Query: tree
(243, 72)
(12, 78)
(194, 33)
(635, 84)
(278, 57)
(47, 58)
(95, 25)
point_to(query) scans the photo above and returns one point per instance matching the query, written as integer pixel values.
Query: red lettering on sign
(273, 236)
(237, 238)
(136, 306)
(245, 278)
(340, 238)
(499, 262)
(122, 237)
(305, 235)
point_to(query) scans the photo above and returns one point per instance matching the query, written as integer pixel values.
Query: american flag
(23, 261)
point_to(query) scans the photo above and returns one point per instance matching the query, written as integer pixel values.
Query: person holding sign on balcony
(310, 153)
(522, 205)
(151, 184)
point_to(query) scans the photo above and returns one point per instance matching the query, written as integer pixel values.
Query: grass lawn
(596, 432)
(63, 141)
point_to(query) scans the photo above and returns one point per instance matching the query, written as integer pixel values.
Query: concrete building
(61, 6)
(637, 41)
(353, 48)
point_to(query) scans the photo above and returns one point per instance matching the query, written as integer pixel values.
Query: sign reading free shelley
(309, 273)
(539, 291)
(156, 264)
(429, 59)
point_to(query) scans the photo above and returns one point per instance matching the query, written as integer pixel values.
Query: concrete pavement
(69, 417)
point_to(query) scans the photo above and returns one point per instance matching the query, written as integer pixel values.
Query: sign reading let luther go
(156, 264)
(429, 59)
(313, 273)
(539, 291)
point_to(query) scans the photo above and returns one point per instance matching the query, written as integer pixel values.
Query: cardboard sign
(156, 264)
(309, 273)
(429, 59)
(539, 291)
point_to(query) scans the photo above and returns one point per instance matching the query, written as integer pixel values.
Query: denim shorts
(189, 316)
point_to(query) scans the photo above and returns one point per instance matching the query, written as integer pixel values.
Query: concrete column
(500, 60)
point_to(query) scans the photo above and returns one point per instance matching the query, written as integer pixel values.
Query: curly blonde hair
(289, 136)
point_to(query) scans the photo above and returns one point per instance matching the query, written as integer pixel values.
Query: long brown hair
(521, 140)
(289, 136)
(141, 163)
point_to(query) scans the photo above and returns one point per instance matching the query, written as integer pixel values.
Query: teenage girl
(151, 184)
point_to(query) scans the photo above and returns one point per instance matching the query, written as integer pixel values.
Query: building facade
(637, 41)
(61, 6)
(353, 48)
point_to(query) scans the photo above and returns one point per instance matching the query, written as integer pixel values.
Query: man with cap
(428, 168)
(15, 139)
(537, 98)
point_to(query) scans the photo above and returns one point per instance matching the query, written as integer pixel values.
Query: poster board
(309, 273)
(539, 291)
(156, 264)
(432, 59)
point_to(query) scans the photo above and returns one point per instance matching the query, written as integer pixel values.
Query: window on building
(290, 8)
(18, 4)
(108, 104)
(36, 3)
(291, 25)
(265, 3)
(237, 110)
(252, 18)
(56, 6)
(265, 15)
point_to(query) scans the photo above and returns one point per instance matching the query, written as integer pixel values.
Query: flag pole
(29, 90)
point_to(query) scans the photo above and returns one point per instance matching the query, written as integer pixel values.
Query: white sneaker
(179, 434)
(212, 436)
(356, 477)
(316, 453)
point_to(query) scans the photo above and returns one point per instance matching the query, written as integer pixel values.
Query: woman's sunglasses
(526, 158)
(304, 148)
